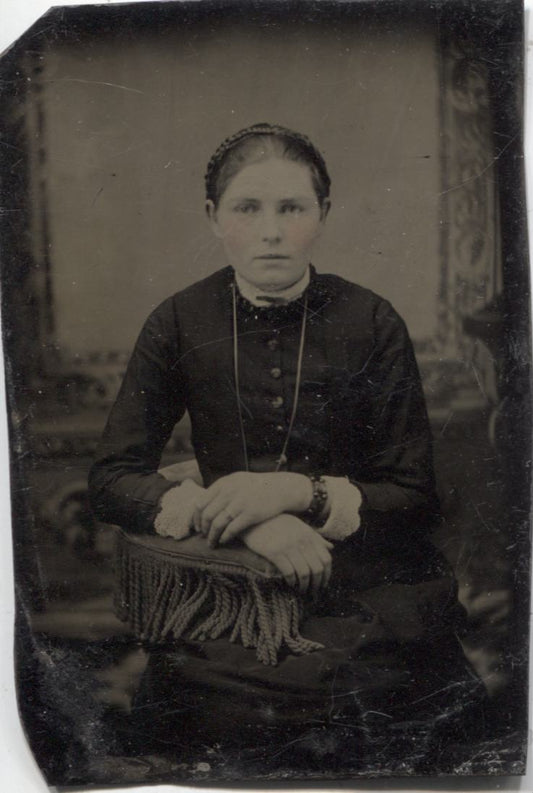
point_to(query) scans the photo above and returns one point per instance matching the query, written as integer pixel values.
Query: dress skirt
(391, 688)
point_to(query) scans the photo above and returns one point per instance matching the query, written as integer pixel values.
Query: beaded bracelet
(319, 499)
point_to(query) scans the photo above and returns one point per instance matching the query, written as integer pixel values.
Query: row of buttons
(277, 402)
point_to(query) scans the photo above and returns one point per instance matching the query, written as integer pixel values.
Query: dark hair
(252, 144)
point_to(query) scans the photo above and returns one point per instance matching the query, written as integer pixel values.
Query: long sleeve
(375, 431)
(124, 485)
(386, 435)
(399, 433)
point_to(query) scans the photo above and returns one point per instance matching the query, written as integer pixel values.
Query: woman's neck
(254, 293)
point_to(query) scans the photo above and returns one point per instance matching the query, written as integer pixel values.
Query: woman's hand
(235, 502)
(301, 555)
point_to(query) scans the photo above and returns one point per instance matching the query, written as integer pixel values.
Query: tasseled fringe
(161, 599)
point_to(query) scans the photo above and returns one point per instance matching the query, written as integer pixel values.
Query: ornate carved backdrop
(459, 371)
(470, 243)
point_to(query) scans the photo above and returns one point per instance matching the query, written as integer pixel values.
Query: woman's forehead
(272, 178)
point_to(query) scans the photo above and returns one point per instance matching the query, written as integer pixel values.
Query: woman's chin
(272, 278)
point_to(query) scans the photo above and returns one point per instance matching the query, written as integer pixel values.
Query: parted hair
(257, 142)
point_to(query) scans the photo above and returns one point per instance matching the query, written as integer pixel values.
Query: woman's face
(268, 219)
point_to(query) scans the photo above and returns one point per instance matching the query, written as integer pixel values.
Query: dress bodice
(268, 342)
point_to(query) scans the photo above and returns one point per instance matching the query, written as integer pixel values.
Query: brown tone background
(129, 131)
(113, 115)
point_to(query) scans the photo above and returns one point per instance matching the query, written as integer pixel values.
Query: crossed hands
(254, 507)
(235, 502)
(301, 555)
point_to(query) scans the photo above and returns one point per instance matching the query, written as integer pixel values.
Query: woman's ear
(211, 212)
(324, 209)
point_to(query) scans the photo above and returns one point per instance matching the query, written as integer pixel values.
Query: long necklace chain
(283, 456)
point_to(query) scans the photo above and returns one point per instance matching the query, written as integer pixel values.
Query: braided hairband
(264, 128)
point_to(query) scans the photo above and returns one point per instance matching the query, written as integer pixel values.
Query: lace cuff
(177, 509)
(344, 501)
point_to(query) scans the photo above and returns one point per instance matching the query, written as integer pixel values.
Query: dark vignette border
(494, 28)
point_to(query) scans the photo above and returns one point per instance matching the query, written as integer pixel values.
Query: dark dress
(392, 676)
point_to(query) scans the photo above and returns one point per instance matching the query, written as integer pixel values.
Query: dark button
(275, 372)
(280, 428)
(273, 344)
(277, 402)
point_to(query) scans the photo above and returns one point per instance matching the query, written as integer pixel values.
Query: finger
(214, 532)
(286, 569)
(325, 558)
(327, 574)
(316, 566)
(200, 503)
(187, 516)
(197, 519)
(324, 577)
(235, 527)
(213, 489)
(213, 492)
(318, 579)
(301, 567)
(210, 512)
(324, 543)
(218, 525)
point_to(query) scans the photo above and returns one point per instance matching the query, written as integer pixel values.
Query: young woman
(312, 439)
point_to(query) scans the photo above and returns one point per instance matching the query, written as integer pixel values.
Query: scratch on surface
(204, 248)
(445, 425)
(42, 30)
(95, 82)
(404, 445)
(209, 343)
(226, 338)
(10, 146)
(483, 170)
(480, 516)
(133, 147)
(290, 743)
(241, 401)
(478, 381)
(95, 199)
(332, 694)
(439, 691)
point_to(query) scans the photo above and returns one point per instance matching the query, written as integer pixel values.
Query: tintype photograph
(265, 314)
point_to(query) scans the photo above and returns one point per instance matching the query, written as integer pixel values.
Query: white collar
(253, 293)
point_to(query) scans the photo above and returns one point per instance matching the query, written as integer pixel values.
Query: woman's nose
(271, 227)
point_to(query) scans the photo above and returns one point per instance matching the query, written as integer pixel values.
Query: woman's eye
(246, 209)
(291, 209)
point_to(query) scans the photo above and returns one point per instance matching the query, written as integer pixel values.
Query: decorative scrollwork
(470, 244)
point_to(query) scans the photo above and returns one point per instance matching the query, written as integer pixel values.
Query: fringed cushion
(184, 589)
